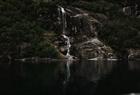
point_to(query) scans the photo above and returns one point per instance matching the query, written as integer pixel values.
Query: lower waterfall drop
(69, 59)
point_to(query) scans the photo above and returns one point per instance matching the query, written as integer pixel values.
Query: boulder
(94, 48)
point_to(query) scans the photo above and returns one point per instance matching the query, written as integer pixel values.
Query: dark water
(87, 78)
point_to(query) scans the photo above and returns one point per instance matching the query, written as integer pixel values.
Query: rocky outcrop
(92, 70)
(81, 29)
(134, 53)
(94, 48)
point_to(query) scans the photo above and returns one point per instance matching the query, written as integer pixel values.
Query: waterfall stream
(62, 14)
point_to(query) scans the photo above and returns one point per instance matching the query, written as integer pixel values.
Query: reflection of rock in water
(120, 81)
(132, 94)
(134, 65)
(92, 70)
(80, 86)
(84, 76)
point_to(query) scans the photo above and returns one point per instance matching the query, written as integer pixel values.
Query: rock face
(134, 53)
(94, 48)
(81, 29)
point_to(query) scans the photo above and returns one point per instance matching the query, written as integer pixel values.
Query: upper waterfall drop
(63, 19)
(62, 10)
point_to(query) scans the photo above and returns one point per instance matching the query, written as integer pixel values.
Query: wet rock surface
(94, 48)
(81, 29)
(134, 53)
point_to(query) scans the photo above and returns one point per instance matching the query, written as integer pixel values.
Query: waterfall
(64, 24)
(68, 46)
(62, 14)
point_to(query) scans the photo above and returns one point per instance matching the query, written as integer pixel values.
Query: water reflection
(134, 65)
(92, 70)
(123, 79)
(87, 78)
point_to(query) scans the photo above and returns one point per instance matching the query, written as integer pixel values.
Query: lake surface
(86, 77)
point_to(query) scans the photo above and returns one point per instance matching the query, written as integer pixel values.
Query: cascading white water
(68, 56)
(68, 46)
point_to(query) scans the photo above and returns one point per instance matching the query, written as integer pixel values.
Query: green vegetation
(22, 30)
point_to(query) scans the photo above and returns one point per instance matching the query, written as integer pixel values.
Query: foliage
(20, 30)
(120, 35)
(44, 49)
